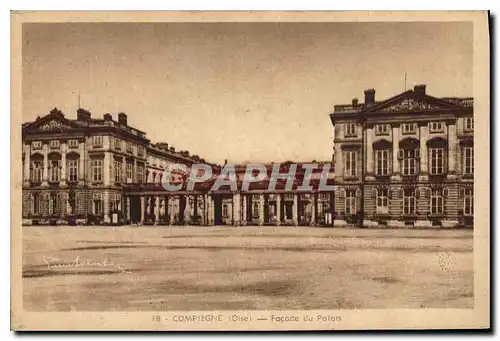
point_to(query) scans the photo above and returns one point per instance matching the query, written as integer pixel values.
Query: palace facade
(103, 171)
(407, 161)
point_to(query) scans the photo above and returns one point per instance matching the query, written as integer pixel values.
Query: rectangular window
(382, 162)
(255, 210)
(350, 202)
(54, 171)
(469, 124)
(409, 128)
(437, 160)
(36, 171)
(436, 127)
(350, 129)
(54, 144)
(409, 161)
(72, 170)
(468, 160)
(97, 141)
(97, 168)
(118, 171)
(437, 201)
(382, 201)
(468, 202)
(129, 172)
(409, 201)
(140, 150)
(37, 144)
(225, 212)
(73, 143)
(129, 147)
(350, 163)
(382, 129)
(140, 178)
(118, 143)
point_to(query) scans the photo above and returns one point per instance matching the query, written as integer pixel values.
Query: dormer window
(436, 127)
(382, 129)
(469, 124)
(409, 128)
(54, 144)
(37, 145)
(350, 130)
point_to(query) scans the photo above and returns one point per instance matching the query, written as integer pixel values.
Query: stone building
(404, 161)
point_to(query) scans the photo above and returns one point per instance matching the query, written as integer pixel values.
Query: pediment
(408, 101)
(53, 122)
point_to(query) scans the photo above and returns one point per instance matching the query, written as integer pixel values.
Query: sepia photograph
(250, 171)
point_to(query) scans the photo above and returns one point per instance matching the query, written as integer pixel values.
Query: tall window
(350, 163)
(350, 129)
(129, 147)
(140, 178)
(36, 171)
(118, 171)
(255, 210)
(437, 160)
(140, 150)
(118, 143)
(129, 172)
(409, 157)
(36, 203)
(97, 141)
(54, 170)
(225, 211)
(382, 200)
(72, 170)
(409, 201)
(97, 168)
(350, 202)
(468, 160)
(468, 202)
(382, 162)
(469, 123)
(437, 201)
(98, 205)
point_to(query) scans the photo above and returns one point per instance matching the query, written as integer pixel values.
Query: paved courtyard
(221, 268)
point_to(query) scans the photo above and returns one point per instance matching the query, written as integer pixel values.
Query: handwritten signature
(55, 263)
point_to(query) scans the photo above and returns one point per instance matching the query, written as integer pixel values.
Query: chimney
(354, 102)
(370, 97)
(108, 117)
(419, 89)
(225, 162)
(83, 115)
(122, 118)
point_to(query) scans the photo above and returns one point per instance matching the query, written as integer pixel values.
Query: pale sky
(257, 92)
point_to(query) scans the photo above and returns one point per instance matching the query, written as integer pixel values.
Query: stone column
(261, 209)
(143, 209)
(128, 209)
(107, 169)
(313, 213)
(124, 170)
(27, 163)
(452, 141)
(294, 210)
(424, 157)
(395, 149)
(369, 150)
(212, 212)
(244, 213)
(105, 197)
(81, 163)
(237, 209)
(63, 164)
(45, 175)
(278, 209)
(157, 209)
(170, 209)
